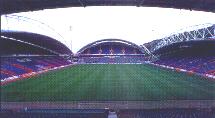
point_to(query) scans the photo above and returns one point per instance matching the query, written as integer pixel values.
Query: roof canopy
(189, 48)
(114, 41)
(37, 40)
(14, 6)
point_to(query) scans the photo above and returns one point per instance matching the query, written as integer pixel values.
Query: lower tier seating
(201, 65)
(113, 59)
(15, 66)
(168, 113)
(56, 113)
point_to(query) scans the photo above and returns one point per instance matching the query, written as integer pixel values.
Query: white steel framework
(198, 32)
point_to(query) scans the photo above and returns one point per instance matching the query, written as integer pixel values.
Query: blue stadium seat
(30, 64)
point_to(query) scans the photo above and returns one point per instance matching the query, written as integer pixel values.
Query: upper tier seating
(114, 49)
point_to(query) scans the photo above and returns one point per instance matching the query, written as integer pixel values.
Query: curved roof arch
(37, 40)
(15, 6)
(29, 25)
(96, 43)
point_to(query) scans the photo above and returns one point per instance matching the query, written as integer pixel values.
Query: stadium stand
(111, 51)
(56, 113)
(167, 113)
(113, 59)
(12, 64)
(193, 56)
(25, 54)
(17, 66)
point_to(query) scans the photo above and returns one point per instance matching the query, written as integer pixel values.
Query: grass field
(110, 83)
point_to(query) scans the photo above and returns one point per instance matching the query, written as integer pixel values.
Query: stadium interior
(172, 77)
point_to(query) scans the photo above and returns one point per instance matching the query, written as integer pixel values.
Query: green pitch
(110, 83)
